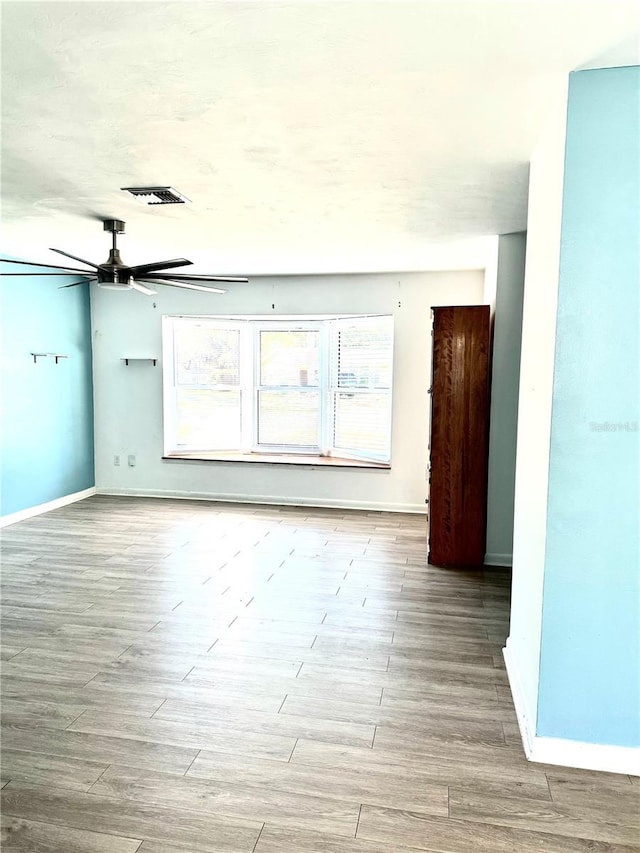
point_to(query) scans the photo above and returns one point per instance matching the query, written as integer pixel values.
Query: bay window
(309, 386)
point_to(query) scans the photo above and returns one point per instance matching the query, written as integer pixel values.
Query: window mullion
(170, 397)
(246, 387)
(326, 407)
(256, 383)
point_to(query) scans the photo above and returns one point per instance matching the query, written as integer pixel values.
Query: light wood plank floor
(215, 678)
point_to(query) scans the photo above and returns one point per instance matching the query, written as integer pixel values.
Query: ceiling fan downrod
(120, 272)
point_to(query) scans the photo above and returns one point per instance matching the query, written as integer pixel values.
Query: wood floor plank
(89, 659)
(41, 619)
(483, 753)
(100, 748)
(166, 733)
(416, 694)
(258, 696)
(479, 678)
(264, 803)
(215, 663)
(163, 847)
(568, 785)
(434, 707)
(292, 648)
(275, 839)
(108, 815)
(229, 716)
(28, 836)
(35, 668)
(446, 721)
(245, 625)
(464, 836)
(78, 774)
(92, 695)
(595, 821)
(323, 687)
(45, 714)
(351, 783)
(443, 766)
(7, 652)
(451, 670)
(57, 642)
(451, 730)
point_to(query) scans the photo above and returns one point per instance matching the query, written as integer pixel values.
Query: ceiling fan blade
(136, 285)
(88, 273)
(75, 283)
(37, 264)
(185, 284)
(82, 260)
(195, 277)
(144, 269)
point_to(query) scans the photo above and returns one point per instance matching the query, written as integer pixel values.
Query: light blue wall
(47, 408)
(590, 663)
(505, 383)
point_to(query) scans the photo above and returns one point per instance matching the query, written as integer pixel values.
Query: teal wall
(590, 662)
(46, 421)
(505, 384)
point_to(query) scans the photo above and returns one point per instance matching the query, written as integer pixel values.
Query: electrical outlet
(132, 461)
(116, 460)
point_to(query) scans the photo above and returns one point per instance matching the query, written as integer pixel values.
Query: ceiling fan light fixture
(111, 285)
(156, 195)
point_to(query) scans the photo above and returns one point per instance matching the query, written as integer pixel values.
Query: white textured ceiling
(309, 136)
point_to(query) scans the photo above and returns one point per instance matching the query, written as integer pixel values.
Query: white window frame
(170, 388)
(249, 388)
(260, 326)
(334, 388)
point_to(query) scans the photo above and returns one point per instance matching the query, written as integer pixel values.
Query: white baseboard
(32, 511)
(586, 756)
(503, 560)
(272, 500)
(560, 751)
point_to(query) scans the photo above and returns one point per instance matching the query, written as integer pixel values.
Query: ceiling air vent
(156, 195)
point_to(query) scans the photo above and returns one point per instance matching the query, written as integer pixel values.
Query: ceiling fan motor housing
(114, 271)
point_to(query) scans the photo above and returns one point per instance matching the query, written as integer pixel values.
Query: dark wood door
(459, 435)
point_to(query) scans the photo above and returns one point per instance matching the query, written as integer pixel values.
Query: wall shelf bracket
(56, 355)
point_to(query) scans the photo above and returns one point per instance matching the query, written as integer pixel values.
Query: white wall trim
(586, 756)
(505, 560)
(535, 396)
(32, 511)
(560, 751)
(490, 287)
(274, 500)
(526, 719)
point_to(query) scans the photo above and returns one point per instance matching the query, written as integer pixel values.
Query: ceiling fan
(118, 276)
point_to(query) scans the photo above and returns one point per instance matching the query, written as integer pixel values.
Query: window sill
(277, 459)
